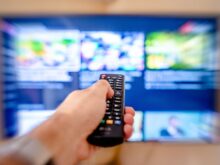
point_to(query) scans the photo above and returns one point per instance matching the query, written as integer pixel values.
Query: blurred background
(167, 50)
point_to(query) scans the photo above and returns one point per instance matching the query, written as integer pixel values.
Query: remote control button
(109, 101)
(118, 88)
(109, 122)
(120, 82)
(117, 110)
(117, 101)
(114, 77)
(118, 122)
(110, 80)
(117, 114)
(117, 118)
(117, 98)
(118, 93)
(101, 128)
(102, 122)
(117, 106)
(108, 113)
(109, 117)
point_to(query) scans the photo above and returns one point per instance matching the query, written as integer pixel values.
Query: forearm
(52, 139)
(23, 151)
(57, 134)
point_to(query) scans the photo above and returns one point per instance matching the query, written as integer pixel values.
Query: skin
(65, 133)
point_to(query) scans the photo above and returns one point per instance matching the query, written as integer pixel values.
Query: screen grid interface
(168, 63)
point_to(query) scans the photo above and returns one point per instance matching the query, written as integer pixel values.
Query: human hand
(65, 133)
(86, 108)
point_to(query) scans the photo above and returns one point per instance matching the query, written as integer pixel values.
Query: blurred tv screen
(169, 65)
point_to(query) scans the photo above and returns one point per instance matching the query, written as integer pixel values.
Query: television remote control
(110, 130)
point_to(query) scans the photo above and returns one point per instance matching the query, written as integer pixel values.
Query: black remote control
(110, 131)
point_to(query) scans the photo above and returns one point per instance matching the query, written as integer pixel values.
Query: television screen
(169, 65)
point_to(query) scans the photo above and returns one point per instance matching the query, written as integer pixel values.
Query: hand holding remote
(85, 109)
(65, 133)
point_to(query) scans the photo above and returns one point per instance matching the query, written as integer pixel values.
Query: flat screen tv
(169, 63)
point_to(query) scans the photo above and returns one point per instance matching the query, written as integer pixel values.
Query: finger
(128, 119)
(128, 131)
(130, 110)
(104, 88)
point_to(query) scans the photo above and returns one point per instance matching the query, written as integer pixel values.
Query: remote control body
(110, 130)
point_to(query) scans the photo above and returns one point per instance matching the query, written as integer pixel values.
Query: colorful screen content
(169, 66)
(42, 55)
(112, 51)
(173, 50)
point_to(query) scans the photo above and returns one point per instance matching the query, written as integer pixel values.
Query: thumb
(103, 88)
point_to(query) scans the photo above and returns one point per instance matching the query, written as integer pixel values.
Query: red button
(103, 76)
